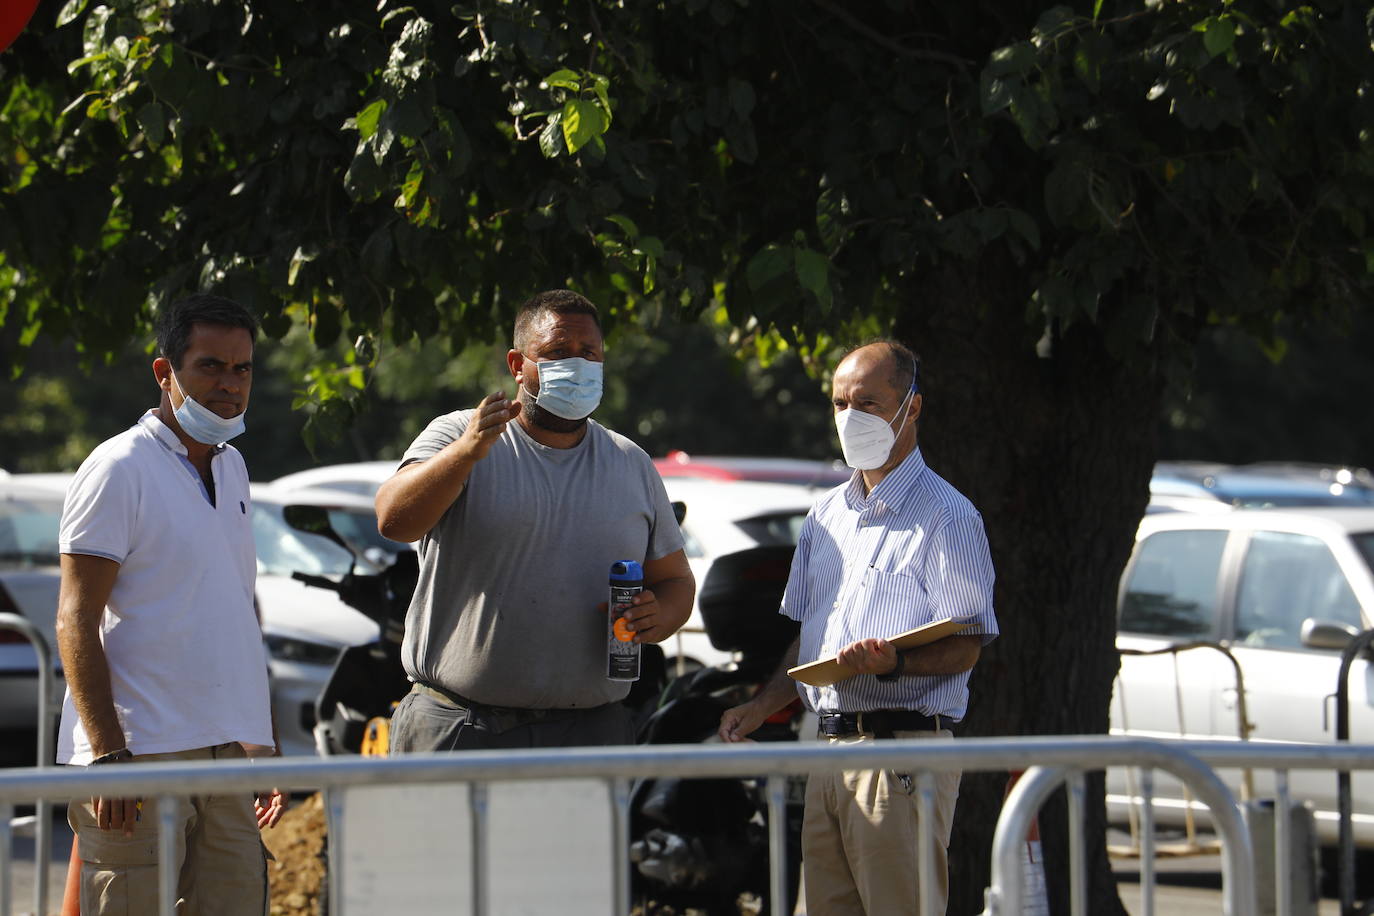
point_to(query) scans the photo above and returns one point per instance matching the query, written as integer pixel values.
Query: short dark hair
(175, 322)
(906, 365)
(552, 301)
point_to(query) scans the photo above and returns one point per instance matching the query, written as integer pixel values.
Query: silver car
(1278, 591)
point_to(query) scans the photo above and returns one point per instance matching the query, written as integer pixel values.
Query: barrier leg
(1036, 895)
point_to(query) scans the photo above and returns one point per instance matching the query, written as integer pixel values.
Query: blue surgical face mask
(203, 424)
(569, 388)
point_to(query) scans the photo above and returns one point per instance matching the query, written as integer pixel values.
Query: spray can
(622, 657)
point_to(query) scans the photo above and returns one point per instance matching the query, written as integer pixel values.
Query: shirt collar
(892, 490)
(164, 435)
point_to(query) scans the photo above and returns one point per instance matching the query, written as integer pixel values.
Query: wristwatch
(114, 756)
(895, 672)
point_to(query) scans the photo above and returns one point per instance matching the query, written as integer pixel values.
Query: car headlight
(287, 649)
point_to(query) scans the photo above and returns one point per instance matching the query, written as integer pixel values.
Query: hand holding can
(622, 658)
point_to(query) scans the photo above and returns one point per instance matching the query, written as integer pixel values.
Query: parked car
(747, 467)
(359, 477)
(724, 518)
(29, 517)
(1191, 485)
(1281, 591)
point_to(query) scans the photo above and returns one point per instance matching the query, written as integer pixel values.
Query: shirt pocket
(893, 603)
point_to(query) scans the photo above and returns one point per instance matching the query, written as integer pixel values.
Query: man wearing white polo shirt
(156, 627)
(894, 548)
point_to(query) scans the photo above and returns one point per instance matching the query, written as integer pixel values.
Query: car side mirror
(314, 520)
(679, 510)
(1327, 634)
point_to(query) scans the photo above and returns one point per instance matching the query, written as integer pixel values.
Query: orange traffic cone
(71, 895)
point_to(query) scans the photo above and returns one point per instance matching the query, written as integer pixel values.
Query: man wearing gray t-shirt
(520, 508)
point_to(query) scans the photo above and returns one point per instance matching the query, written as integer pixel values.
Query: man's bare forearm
(951, 655)
(412, 502)
(780, 688)
(86, 585)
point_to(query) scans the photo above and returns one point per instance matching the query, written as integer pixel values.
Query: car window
(1172, 590)
(282, 550)
(28, 529)
(1287, 578)
(1364, 543)
(780, 529)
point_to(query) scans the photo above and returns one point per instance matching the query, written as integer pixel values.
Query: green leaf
(1220, 35)
(70, 10)
(1025, 226)
(813, 273)
(583, 121)
(771, 262)
(564, 79)
(153, 122)
(81, 62)
(551, 137)
(650, 245)
(366, 121)
(742, 98)
(1013, 59)
(626, 225)
(996, 94)
(302, 256)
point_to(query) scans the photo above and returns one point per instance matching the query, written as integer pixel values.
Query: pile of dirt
(297, 843)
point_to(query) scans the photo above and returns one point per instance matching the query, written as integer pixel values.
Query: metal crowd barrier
(45, 753)
(1056, 760)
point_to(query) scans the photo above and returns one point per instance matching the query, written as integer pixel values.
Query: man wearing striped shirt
(894, 548)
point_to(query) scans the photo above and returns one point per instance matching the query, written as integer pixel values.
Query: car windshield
(28, 529)
(1364, 541)
(282, 550)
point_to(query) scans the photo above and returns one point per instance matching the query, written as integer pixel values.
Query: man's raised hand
(487, 425)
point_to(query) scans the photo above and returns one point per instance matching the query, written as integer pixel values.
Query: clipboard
(826, 671)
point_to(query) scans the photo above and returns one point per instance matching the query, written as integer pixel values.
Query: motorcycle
(703, 843)
(353, 709)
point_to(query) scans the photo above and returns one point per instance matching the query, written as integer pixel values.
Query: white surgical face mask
(866, 438)
(203, 424)
(569, 388)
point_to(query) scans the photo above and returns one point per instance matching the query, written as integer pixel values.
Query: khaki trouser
(221, 862)
(860, 838)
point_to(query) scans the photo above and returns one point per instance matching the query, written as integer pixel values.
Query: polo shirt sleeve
(100, 512)
(961, 577)
(440, 432)
(665, 536)
(794, 597)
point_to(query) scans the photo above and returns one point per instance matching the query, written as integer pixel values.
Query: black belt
(881, 723)
(496, 719)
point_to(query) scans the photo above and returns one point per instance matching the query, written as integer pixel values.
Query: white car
(725, 517)
(1281, 591)
(29, 516)
(359, 477)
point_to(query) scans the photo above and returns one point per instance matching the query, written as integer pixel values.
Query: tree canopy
(1049, 202)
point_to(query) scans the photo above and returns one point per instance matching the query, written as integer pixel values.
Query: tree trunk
(1061, 496)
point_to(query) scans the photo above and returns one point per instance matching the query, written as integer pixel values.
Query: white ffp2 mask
(866, 438)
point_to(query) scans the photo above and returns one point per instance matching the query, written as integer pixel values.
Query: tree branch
(878, 38)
